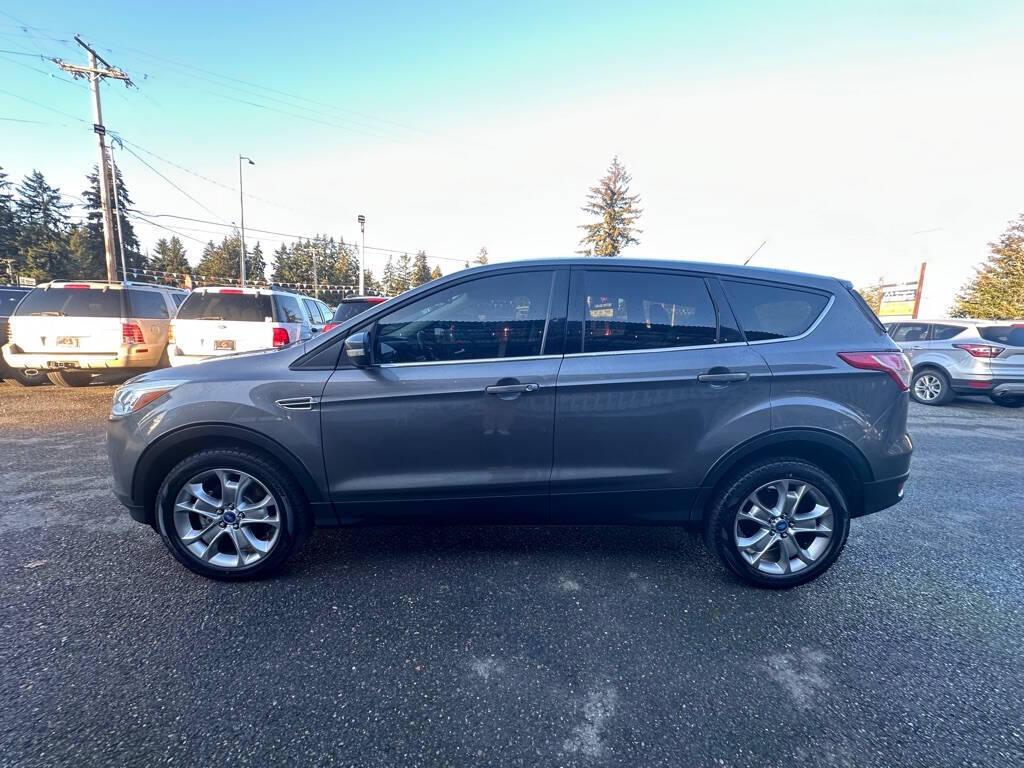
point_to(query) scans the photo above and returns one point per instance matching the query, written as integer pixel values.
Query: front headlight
(129, 398)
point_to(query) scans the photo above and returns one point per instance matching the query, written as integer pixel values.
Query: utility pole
(95, 73)
(241, 204)
(362, 255)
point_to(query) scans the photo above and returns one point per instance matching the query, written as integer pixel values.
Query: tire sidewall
(291, 509)
(721, 521)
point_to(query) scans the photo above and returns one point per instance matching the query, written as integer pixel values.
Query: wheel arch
(833, 453)
(166, 451)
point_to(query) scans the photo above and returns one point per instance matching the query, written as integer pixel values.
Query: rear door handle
(511, 389)
(722, 378)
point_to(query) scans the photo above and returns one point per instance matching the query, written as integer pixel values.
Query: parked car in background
(76, 329)
(218, 321)
(10, 296)
(768, 407)
(963, 357)
(352, 306)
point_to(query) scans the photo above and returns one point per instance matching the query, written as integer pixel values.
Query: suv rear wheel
(69, 378)
(231, 514)
(1008, 401)
(779, 524)
(930, 386)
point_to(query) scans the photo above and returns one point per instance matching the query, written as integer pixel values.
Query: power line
(186, 194)
(44, 106)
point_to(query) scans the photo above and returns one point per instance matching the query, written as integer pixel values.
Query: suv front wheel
(779, 524)
(231, 514)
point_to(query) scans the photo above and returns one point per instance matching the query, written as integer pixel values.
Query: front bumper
(128, 356)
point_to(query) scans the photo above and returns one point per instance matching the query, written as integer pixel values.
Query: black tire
(19, 378)
(946, 393)
(721, 521)
(69, 378)
(1008, 401)
(293, 510)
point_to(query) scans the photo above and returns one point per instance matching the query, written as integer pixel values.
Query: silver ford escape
(768, 408)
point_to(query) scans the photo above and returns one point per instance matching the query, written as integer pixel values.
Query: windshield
(72, 302)
(244, 307)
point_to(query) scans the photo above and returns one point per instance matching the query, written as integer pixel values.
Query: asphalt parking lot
(510, 646)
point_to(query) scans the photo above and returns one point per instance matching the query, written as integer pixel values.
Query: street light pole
(362, 255)
(241, 205)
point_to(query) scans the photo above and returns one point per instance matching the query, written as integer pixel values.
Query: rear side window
(769, 312)
(8, 301)
(645, 310)
(287, 309)
(72, 302)
(148, 304)
(179, 298)
(312, 311)
(943, 332)
(1011, 335)
(235, 307)
(910, 332)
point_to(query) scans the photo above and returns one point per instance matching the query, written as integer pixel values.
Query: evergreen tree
(255, 265)
(42, 229)
(8, 226)
(616, 214)
(403, 273)
(389, 280)
(420, 269)
(481, 257)
(92, 256)
(435, 273)
(997, 289)
(169, 256)
(872, 295)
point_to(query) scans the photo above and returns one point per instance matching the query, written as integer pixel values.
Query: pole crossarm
(78, 71)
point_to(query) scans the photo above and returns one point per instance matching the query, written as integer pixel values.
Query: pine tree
(481, 257)
(420, 270)
(616, 214)
(8, 225)
(390, 280)
(42, 229)
(169, 256)
(435, 273)
(92, 255)
(255, 265)
(997, 289)
(872, 295)
(219, 263)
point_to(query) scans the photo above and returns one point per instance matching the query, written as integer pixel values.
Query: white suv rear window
(245, 307)
(71, 302)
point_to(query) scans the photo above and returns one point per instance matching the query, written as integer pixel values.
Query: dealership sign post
(902, 300)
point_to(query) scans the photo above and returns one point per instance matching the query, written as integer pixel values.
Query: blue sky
(470, 124)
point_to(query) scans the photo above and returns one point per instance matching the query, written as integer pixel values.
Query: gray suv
(768, 408)
(963, 357)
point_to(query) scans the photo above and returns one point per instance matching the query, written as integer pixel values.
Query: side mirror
(357, 349)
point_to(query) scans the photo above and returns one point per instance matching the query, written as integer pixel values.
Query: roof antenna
(762, 245)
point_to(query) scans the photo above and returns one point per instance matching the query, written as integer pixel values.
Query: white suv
(221, 321)
(75, 329)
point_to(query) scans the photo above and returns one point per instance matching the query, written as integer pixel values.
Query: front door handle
(511, 389)
(722, 378)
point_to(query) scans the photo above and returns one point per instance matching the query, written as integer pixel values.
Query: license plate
(67, 341)
(224, 344)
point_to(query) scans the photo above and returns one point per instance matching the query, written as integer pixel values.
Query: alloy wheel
(783, 527)
(227, 518)
(927, 387)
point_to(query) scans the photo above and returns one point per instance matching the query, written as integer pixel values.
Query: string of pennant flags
(195, 280)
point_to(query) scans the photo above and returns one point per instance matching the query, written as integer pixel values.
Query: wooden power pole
(95, 74)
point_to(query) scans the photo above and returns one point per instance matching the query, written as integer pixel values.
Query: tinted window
(147, 304)
(245, 307)
(1011, 335)
(642, 310)
(349, 309)
(288, 309)
(769, 312)
(178, 298)
(72, 302)
(943, 332)
(910, 332)
(9, 300)
(312, 311)
(498, 316)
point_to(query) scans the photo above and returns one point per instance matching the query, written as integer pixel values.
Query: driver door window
(502, 316)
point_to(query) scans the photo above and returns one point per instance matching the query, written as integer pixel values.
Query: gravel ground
(510, 646)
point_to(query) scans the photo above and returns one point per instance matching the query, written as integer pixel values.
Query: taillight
(980, 350)
(281, 337)
(330, 327)
(131, 334)
(895, 364)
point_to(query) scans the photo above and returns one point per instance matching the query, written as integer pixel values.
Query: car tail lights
(131, 333)
(980, 350)
(895, 364)
(281, 338)
(330, 327)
